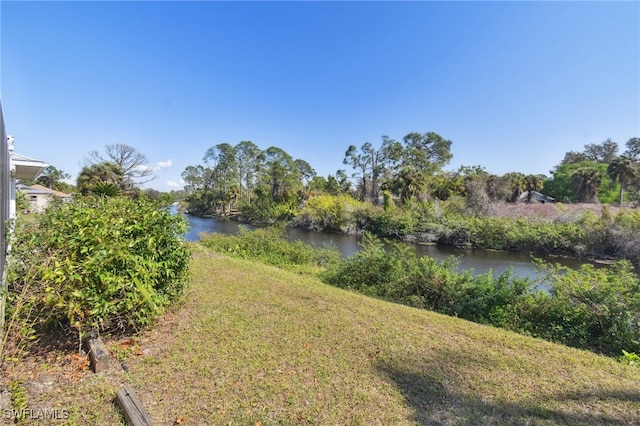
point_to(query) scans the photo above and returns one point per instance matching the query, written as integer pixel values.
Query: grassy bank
(253, 344)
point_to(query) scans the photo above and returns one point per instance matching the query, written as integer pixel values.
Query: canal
(478, 260)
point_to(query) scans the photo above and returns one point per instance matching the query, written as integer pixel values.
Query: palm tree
(516, 185)
(623, 169)
(52, 177)
(105, 189)
(586, 182)
(533, 183)
(100, 172)
(412, 183)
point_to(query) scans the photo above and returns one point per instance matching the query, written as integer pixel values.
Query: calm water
(480, 261)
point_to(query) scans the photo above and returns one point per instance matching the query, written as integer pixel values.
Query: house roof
(536, 196)
(39, 189)
(51, 191)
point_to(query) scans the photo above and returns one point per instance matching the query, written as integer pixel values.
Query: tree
(105, 189)
(412, 183)
(533, 183)
(52, 178)
(427, 152)
(499, 188)
(516, 184)
(198, 183)
(562, 184)
(306, 171)
(603, 152)
(374, 167)
(585, 183)
(623, 169)
(197, 179)
(633, 148)
(443, 185)
(97, 174)
(342, 180)
(280, 174)
(423, 154)
(249, 158)
(222, 159)
(135, 171)
(573, 157)
(361, 162)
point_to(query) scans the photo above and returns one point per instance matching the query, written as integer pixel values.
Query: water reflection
(210, 225)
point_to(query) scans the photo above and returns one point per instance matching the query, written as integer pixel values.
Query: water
(478, 260)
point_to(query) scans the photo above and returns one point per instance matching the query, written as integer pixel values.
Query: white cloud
(160, 165)
(163, 165)
(172, 184)
(143, 168)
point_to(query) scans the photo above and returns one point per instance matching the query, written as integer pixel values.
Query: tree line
(273, 182)
(262, 183)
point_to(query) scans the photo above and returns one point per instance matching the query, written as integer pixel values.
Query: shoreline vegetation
(596, 232)
(399, 189)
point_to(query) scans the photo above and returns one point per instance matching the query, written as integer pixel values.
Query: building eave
(27, 168)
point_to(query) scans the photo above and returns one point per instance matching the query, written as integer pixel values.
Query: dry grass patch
(57, 387)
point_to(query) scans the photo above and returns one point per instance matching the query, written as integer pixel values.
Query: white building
(21, 168)
(40, 196)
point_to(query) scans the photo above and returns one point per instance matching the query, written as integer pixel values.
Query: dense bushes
(332, 213)
(587, 308)
(447, 222)
(397, 274)
(106, 264)
(596, 309)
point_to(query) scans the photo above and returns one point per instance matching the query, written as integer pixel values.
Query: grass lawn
(254, 344)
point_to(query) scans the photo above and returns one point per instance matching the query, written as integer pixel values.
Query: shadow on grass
(431, 394)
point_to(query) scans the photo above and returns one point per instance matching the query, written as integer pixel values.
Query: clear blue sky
(514, 85)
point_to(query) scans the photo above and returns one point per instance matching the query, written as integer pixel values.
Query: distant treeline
(400, 190)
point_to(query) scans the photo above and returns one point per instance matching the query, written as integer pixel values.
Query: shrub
(328, 213)
(104, 264)
(629, 358)
(396, 273)
(589, 308)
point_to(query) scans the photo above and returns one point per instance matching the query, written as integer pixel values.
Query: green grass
(253, 344)
(257, 344)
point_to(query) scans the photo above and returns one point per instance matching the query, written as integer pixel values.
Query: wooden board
(134, 413)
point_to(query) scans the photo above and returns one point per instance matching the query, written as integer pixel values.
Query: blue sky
(514, 85)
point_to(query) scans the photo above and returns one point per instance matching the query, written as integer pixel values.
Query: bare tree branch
(136, 172)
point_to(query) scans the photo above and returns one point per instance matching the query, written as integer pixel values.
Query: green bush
(264, 210)
(589, 308)
(396, 273)
(104, 264)
(326, 212)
